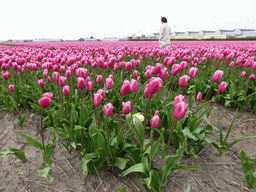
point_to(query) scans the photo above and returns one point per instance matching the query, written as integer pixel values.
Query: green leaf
(138, 130)
(45, 172)
(250, 180)
(240, 139)
(188, 189)
(84, 165)
(49, 148)
(18, 153)
(120, 162)
(122, 189)
(187, 132)
(31, 142)
(140, 167)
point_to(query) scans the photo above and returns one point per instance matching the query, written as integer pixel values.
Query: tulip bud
(11, 88)
(175, 69)
(81, 83)
(180, 110)
(62, 81)
(66, 90)
(243, 74)
(183, 81)
(155, 121)
(108, 109)
(138, 79)
(148, 74)
(97, 99)
(62, 69)
(135, 73)
(192, 72)
(41, 82)
(126, 108)
(90, 86)
(199, 96)
(222, 87)
(231, 64)
(44, 102)
(154, 85)
(99, 79)
(56, 77)
(68, 73)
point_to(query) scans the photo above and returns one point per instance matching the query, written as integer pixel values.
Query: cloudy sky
(28, 19)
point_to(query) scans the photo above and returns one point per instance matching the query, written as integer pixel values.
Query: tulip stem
(42, 133)
(98, 117)
(151, 152)
(168, 88)
(81, 106)
(119, 112)
(208, 91)
(68, 109)
(132, 103)
(170, 136)
(146, 111)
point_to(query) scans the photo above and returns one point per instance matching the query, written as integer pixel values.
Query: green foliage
(18, 153)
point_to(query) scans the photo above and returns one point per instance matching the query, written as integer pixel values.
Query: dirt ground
(216, 173)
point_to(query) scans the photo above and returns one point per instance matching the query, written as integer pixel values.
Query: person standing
(165, 34)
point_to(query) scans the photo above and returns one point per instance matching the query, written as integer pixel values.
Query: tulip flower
(183, 81)
(125, 89)
(126, 108)
(155, 121)
(243, 74)
(217, 76)
(66, 90)
(183, 65)
(41, 82)
(62, 69)
(62, 81)
(108, 109)
(48, 79)
(222, 87)
(81, 83)
(56, 77)
(231, 64)
(199, 96)
(6, 75)
(97, 99)
(49, 95)
(180, 110)
(148, 74)
(109, 83)
(146, 92)
(99, 79)
(44, 102)
(135, 73)
(192, 72)
(252, 77)
(133, 85)
(11, 88)
(101, 92)
(154, 85)
(138, 79)
(175, 69)
(179, 98)
(68, 73)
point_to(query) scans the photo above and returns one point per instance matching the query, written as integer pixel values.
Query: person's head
(164, 20)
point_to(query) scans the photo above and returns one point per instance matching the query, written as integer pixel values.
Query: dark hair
(164, 20)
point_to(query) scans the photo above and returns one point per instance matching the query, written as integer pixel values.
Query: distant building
(90, 39)
(45, 40)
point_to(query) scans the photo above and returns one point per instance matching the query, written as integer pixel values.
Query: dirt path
(216, 173)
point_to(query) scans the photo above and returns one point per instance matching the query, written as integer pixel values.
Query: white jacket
(165, 35)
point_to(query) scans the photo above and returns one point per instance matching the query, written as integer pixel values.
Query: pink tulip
(175, 69)
(183, 81)
(99, 79)
(155, 121)
(62, 81)
(137, 63)
(166, 75)
(138, 79)
(135, 73)
(62, 69)
(252, 77)
(44, 102)
(108, 109)
(146, 92)
(133, 85)
(217, 76)
(222, 87)
(111, 77)
(154, 85)
(179, 98)
(41, 82)
(66, 90)
(68, 73)
(48, 79)
(97, 99)
(56, 77)
(148, 74)
(125, 89)
(243, 74)
(126, 108)
(199, 96)
(183, 65)
(49, 95)
(81, 83)
(180, 110)
(11, 88)
(109, 83)
(192, 72)
(90, 86)
(231, 64)
(101, 92)
(128, 66)
(6, 75)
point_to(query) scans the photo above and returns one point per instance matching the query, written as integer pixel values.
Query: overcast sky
(28, 19)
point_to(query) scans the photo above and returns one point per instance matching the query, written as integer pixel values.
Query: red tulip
(66, 90)
(222, 87)
(108, 109)
(11, 88)
(199, 96)
(44, 102)
(126, 108)
(125, 89)
(217, 76)
(41, 82)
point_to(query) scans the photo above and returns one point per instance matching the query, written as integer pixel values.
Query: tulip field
(121, 105)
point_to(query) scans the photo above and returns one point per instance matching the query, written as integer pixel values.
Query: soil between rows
(217, 173)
